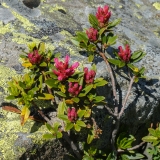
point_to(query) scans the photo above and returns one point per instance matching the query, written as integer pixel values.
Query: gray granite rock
(55, 23)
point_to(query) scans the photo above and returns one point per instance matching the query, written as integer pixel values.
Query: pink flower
(74, 88)
(89, 75)
(72, 114)
(92, 34)
(125, 54)
(34, 57)
(63, 71)
(103, 15)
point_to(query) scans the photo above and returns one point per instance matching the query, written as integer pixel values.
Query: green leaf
(101, 32)
(60, 94)
(111, 40)
(85, 157)
(40, 82)
(117, 62)
(43, 64)
(98, 99)
(52, 83)
(41, 47)
(45, 96)
(91, 48)
(75, 41)
(87, 113)
(114, 23)
(149, 138)
(22, 56)
(63, 117)
(81, 113)
(81, 95)
(80, 123)
(10, 97)
(141, 71)
(69, 126)
(75, 99)
(82, 37)
(101, 83)
(50, 128)
(111, 156)
(48, 136)
(88, 88)
(90, 137)
(138, 59)
(77, 127)
(135, 156)
(104, 39)
(152, 132)
(93, 21)
(132, 67)
(90, 58)
(124, 157)
(61, 108)
(136, 55)
(136, 79)
(59, 135)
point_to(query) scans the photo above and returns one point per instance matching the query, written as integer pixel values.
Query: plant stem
(110, 112)
(127, 95)
(112, 81)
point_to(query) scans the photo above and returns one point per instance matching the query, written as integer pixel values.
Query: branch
(127, 95)
(110, 112)
(65, 136)
(112, 81)
(130, 149)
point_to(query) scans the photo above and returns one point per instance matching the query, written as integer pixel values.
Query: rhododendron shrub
(72, 88)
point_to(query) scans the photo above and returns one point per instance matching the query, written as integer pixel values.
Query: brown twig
(110, 112)
(117, 121)
(130, 149)
(126, 97)
(112, 81)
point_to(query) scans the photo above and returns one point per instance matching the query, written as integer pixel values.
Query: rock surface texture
(55, 22)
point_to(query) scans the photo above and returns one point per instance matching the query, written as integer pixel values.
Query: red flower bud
(63, 71)
(34, 57)
(72, 114)
(103, 15)
(89, 75)
(125, 54)
(92, 34)
(74, 88)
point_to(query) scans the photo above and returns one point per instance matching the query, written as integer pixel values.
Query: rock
(55, 23)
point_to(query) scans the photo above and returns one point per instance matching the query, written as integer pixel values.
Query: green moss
(6, 28)
(25, 22)
(55, 8)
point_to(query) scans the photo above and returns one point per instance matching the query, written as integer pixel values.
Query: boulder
(55, 23)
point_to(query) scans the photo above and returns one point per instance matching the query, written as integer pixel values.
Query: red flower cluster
(92, 34)
(103, 15)
(89, 75)
(63, 71)
(34, 57)
(125, 54)
(74, 88)
(72, 114)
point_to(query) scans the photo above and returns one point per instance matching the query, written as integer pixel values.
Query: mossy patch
(156, 5)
